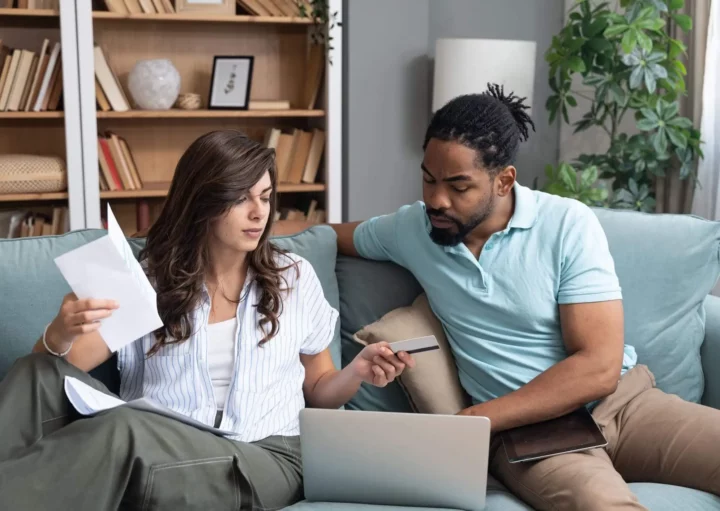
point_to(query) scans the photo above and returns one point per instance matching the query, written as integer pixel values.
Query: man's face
(459, 196)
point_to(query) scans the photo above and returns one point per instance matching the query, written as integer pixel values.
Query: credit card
(417, 345)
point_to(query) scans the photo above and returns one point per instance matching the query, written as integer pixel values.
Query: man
(526, 289)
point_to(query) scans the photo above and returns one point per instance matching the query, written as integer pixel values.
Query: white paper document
(88, 401)
(106, 269)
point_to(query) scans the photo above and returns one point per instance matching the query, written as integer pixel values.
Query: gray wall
(387, 64)
(386, 104)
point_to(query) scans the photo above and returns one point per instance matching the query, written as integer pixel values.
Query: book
(109, 82)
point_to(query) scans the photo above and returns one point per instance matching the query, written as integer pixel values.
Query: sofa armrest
(710, 352)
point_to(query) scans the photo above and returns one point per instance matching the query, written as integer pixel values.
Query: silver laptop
(401, 459)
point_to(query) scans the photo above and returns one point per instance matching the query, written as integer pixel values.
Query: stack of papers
(88, 401)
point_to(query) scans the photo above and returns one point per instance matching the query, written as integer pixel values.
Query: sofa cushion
(432, 386)
(368, 291)
(33, 287)
(667, 265)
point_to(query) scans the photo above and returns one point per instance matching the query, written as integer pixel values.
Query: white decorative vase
(154, 84)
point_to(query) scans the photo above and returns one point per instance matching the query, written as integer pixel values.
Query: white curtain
(706, 202)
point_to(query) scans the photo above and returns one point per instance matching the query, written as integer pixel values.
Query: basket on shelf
(26, 173)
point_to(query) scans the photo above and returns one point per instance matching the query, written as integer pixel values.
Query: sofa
(667, 265)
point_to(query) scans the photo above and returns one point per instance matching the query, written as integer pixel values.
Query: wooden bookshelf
(208, 114)
(33, 197)
(29, 13)
(32, 115)
(204, 18)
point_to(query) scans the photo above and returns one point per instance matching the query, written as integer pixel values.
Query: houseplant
(633, 66)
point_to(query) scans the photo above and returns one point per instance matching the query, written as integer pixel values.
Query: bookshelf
(46, 130)
(157, 138)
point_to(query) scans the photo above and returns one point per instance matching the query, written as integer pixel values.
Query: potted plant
(628, 59)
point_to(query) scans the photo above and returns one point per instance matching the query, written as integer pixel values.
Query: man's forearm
(566, 386)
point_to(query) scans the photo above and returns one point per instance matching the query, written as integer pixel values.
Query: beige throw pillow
(432, 386)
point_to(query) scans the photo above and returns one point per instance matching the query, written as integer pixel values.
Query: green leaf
(575, 45)
(576, 16)
(629, 40)
(650, 81)
(655, 56)
(676, 48)
(596, 27)
(660, 141)
(594, 79)
(670, 110)
(676, 4)
(588, 177)
(636, 77)
(650, 115)
(645, 13)
(658, 71)
(565, 115)
(549, 171)
(677, 137)
(576, 64)
(571, 100)
(681, 122)
(646, 125)
(600, 45)
(568, 176)
(618, 94)
(615, 30)
(684, 21)
(644, 41)
(680, 67)
(633, 187)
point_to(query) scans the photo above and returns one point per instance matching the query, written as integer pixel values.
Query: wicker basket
(23, 173)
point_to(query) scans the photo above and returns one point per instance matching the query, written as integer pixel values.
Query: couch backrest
(667, 265)
(32, 287)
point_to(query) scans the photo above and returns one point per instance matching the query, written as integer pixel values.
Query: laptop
(401, 459)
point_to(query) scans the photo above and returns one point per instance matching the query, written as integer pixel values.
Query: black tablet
(574, 432)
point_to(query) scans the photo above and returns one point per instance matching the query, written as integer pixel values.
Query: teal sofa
(667, 266)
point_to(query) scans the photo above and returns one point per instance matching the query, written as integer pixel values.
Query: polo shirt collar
(525, 208)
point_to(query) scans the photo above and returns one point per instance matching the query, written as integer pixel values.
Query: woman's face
(242, 226)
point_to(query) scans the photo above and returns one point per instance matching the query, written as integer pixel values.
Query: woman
(243, 347)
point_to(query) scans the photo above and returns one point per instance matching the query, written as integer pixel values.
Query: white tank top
(221, 352)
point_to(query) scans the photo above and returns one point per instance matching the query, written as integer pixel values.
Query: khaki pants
(50, 458)
(652, 437)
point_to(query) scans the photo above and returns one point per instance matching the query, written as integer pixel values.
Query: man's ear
(505, 180)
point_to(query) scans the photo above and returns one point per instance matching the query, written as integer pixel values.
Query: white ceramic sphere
(154, 84)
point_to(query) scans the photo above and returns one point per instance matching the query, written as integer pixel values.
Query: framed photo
(230, 83)
(205, 7)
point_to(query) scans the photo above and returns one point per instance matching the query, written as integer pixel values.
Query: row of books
(116, 164)
(31, 4)
(23, 224)
(140, 6)
(311, 215)
(30, 80)
(109, 94)
(274, 7)
(297, 153)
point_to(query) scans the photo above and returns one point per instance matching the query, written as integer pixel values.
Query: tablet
(574, 432)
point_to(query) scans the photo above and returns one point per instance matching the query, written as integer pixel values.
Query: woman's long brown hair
(216, 170)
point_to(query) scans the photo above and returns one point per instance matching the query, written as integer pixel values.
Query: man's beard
(455, 235)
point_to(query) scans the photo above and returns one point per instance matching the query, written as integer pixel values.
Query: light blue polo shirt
(500, 312)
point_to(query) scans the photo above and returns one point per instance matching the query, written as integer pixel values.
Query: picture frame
(231, 82)
(200, 7)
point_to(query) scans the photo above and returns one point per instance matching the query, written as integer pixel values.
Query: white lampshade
(466, 66)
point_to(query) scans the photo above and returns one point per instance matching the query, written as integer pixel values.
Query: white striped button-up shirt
(265, 394)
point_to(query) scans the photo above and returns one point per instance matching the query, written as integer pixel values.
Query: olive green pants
(50, 458)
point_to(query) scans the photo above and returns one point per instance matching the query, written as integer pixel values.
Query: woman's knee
(35, 363)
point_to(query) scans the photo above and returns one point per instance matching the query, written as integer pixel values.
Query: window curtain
(705, 203)
(674, 195)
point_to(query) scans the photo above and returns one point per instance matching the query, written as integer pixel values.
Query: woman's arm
(326, 387)
(75, 327)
